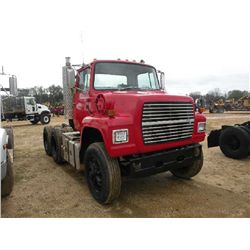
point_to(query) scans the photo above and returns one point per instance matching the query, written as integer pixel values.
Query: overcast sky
(201, 45)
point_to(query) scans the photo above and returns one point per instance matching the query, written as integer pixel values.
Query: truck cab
(123, 122)
(36, 112)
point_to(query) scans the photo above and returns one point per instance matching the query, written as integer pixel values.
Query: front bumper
(153, 163)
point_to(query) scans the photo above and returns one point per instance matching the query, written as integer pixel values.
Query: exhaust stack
(68, 85)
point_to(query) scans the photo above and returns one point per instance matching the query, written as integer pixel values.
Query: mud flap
(213, 138)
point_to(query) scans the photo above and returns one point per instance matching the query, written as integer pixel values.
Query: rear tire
(56, 143)
(234, 142)
(189, 171)
(34, 122)
(102, 173)
(8, 182)
(45, 118)
(47, 132)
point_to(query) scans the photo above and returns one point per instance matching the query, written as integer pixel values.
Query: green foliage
(53, 94)
(236, 94)
(216, 95)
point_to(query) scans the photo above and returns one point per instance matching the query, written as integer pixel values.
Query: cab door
(30, 105)
(81, 97)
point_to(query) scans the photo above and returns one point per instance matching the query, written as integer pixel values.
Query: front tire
(102, 173)
(8, 182)
(190, 171)
(45, 118)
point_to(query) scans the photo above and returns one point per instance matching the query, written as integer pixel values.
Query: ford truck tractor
(123, 123)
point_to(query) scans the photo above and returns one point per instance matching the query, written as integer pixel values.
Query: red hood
(127, 101)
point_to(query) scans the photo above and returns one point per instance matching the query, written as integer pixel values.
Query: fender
(105, 126)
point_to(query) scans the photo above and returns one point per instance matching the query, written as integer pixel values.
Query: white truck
(24, 108)
(6, 148)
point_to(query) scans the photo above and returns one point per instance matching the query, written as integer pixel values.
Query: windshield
(30, 101)
(125, 76)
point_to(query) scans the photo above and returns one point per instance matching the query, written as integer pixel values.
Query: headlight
(120, 136)
(201, 127)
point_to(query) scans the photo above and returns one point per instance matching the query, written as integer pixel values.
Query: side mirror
(162, 79)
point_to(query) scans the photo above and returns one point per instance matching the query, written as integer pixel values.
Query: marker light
(120, 136)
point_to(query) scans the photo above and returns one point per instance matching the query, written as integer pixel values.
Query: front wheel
(102, 173)
(45, 118)
(190, 171)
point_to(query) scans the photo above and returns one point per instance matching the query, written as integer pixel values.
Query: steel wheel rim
(45, 119)
(95, 175)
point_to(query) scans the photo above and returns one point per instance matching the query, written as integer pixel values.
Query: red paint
(128, 107)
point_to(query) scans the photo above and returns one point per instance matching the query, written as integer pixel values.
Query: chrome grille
(167, 121)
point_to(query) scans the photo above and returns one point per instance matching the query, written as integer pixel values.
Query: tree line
(216, 95)
(52, 95)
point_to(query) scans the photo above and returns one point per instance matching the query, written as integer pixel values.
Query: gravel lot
(44, 189)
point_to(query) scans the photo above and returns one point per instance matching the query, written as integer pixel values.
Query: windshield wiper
(128, 88)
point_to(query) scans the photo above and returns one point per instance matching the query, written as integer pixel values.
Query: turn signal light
(201, 110)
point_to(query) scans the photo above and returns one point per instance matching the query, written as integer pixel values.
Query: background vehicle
(7, 173)
(234, 141)
(122, 122)
(216, 107)
(23, 108)
(242, 104)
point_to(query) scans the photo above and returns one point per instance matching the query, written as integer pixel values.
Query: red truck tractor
(123, 123)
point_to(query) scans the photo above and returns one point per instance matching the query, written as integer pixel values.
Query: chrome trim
(164, 122)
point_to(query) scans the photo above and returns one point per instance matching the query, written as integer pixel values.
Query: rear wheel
(56, 143)
(45, 118)
(235, 142)
(34, 122)
(8, 182)
(102, 173)
(190, 171)
(47, 132)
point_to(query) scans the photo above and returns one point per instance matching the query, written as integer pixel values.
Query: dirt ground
(45, 189)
